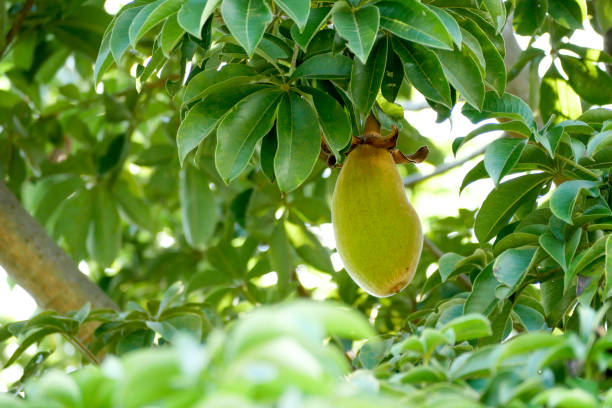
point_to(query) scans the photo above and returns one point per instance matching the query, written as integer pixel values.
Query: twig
(433, 248)
(83, 349)
(23, 13)
(418, 178)
(296, 50)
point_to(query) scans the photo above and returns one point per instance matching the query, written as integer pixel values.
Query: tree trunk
(39, 265)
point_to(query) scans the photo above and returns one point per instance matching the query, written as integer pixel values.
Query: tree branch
(443, 168)
(23, 13)
(40, 266)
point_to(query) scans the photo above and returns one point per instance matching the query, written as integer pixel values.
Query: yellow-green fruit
(378, 233)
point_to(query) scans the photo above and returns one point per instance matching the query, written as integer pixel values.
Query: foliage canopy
(193, 145)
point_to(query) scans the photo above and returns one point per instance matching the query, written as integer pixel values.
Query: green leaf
(358, 27)
(48, 194)
(73, 221)
(324, 66)
(595, 253)
(423, 69)
(495, 69)
(608, 269)
(514, 126)
(551, 139)
(564, 198)
(308, 246)
(241, 129)
(297, 10)
(507, 106)
(193, 15)
(449, 23)
(596, 116)
(132, 207)
(502, 155)
(338, 320)
(104, 238)
(372, 353)
(588, 80)
(31, 338)
(119, 38)
(468, 327)
(413, 21)
(598, 142)
(151, 15)
(603, 14)
(503, 201)
(170, 36)
(528, 343)
(511, 266)
(214, 79)
(558, 98)
(568, 13)
(393, 77)
(316, 20)
(104, 58)
(198, 208)
(529, 15)
(333, 120)
(170, 296)
(447, 264)
(514, 240)
(299, 142)
(463, 74)
(474, 49)
(204, 117)
(367, 78)
(497, 10)
(267, 153)
(554, 248)
(280, 257)
(482, 298)
(247, 20)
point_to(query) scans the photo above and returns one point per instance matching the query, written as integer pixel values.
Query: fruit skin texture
(378, 233)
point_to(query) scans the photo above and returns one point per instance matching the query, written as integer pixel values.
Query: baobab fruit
(378, 233)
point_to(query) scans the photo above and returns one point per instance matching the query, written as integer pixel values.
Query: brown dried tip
(371, 127)
(416, 157)
(387, 142)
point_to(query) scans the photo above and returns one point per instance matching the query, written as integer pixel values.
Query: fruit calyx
(371, 136)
